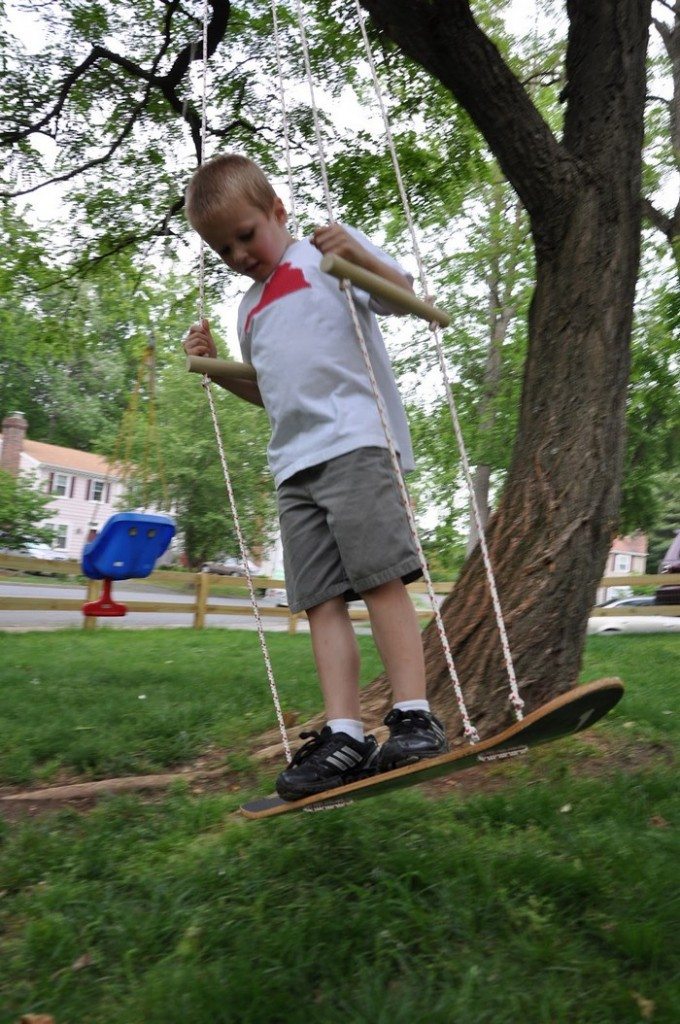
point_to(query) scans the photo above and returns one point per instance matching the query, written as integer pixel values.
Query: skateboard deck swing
(567, 714)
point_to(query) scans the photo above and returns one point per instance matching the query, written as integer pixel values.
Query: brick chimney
(14, 429)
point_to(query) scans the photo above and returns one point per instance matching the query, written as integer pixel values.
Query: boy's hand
(199, 341)
(334, 238)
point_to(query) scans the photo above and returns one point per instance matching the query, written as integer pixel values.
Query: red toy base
(107, 609)
(105, 606)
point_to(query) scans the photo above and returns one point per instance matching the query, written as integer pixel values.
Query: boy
(343, 527)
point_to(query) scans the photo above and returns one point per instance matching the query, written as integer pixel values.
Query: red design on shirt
(285, 280)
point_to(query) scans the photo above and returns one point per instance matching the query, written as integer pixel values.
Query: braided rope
(218, 434)
(321, 151)
(514, 697)
(248, 574)
(284, 117)
(470, 731)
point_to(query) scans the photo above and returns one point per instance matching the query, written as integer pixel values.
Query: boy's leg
(397, 636)
(333, 757)
(336, 654)
(415, 733)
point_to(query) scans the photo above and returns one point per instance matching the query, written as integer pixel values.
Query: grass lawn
(544, 894)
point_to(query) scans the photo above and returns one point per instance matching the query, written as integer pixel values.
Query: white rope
(315, 112)
(248, 574)
(514, 697)
(218, 434)
(284, 116)
(469, 729)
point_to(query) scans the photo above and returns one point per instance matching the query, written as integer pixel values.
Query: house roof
(632, 544)
(55, 456)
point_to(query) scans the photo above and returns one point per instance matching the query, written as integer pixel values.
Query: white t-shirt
(296, 330)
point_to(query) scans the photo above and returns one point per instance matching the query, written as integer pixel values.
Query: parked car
(670, 593)
(599, 624)
(228, 565)
(615, 594)
(41, 553)
(623, 602)
(44, 551)
(280, 596)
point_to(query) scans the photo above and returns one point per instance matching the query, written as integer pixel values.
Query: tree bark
(550, 536)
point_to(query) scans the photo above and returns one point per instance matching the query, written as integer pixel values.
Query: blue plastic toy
(127, 547)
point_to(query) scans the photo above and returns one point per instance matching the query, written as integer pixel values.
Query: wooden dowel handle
(221, 369)
(377, 286)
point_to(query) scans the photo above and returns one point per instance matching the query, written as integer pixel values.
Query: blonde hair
(223, 180)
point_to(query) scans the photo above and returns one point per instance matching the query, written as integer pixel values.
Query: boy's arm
(245, 389)
(333, 238)
(199, 342)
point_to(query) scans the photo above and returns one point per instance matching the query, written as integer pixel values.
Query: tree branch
(127, 127)
(167, 84)
(7, 138)
(82, 268)
(657, 218)
(443, 37)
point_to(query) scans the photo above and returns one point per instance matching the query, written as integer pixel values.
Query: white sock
(350, 726)
(412, 705)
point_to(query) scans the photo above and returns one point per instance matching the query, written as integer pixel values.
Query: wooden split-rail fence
(198, 587)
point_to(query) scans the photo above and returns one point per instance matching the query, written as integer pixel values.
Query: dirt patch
(206, 774)
(599, 754)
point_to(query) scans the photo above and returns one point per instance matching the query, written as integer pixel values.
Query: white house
(85, 489)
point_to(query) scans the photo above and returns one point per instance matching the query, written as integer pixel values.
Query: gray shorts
(344, 529)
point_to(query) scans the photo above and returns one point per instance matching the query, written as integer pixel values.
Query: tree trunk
(550, 536)
(501, 311)
(481, 479)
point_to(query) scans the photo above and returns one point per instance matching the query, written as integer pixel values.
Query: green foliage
(486, 288)
(193, 470)
(666, 502)
(71, 348)
(22, 511)
(653, 410)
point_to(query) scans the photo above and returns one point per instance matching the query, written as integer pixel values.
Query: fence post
(292, 622)
(93, 591)
(202, 592)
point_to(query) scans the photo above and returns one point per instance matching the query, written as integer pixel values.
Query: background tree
(23, 511)
(192, 473)
(653, 414)
(667, 524)
(665, 155)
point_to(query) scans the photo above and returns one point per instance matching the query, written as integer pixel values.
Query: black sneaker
(328, 760)
(414, 735)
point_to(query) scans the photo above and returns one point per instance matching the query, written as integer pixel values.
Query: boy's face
(250, 241)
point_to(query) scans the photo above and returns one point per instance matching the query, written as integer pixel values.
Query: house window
(60, 538)
(97, 493)
(60, 484)
(622, 563)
